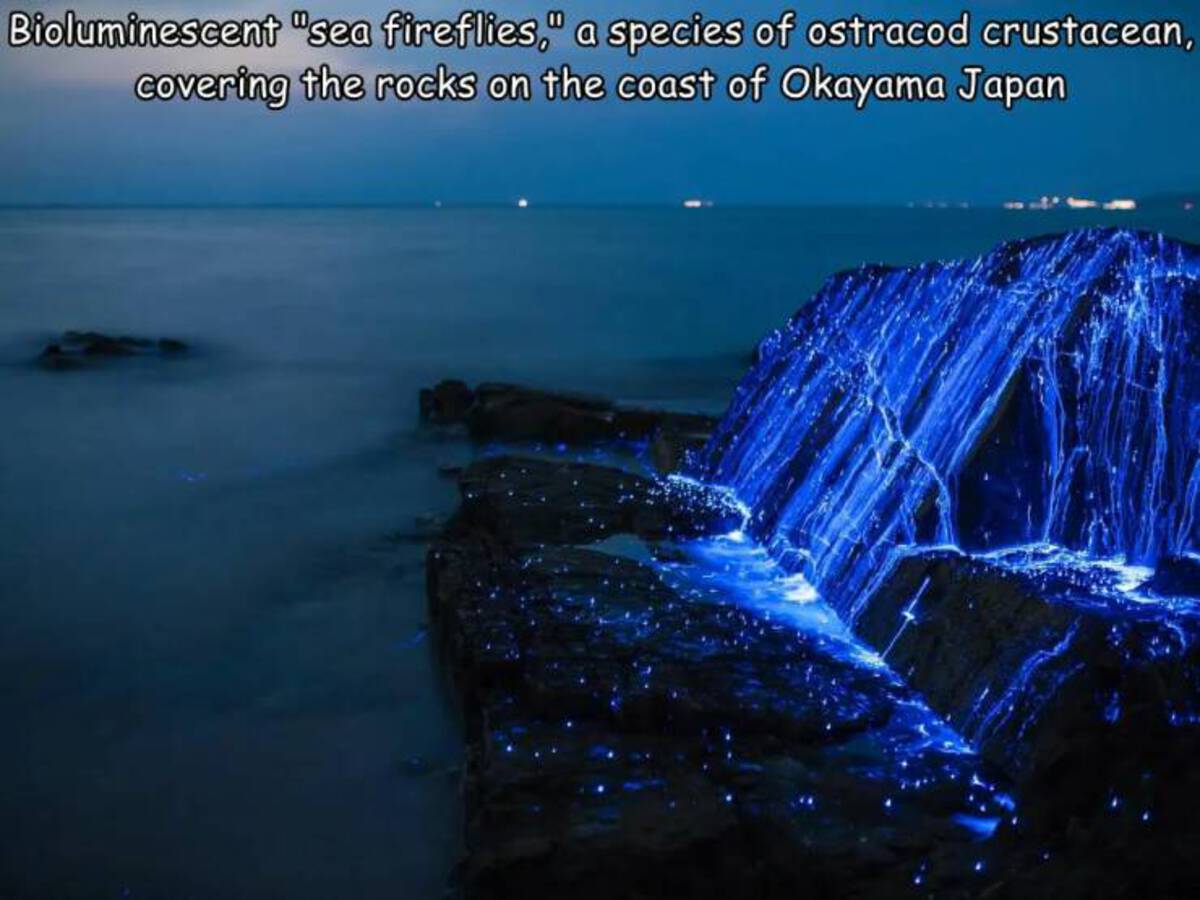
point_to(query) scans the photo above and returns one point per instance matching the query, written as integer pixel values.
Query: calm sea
(215, 678)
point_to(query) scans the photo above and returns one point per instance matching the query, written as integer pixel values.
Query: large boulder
(1044, 392)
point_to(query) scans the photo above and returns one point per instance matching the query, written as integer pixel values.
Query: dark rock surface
(78, 349)
(505, 412)
(1087, 695)
(1176, 576)
(632, 737)
(635, 730)
(535, 500)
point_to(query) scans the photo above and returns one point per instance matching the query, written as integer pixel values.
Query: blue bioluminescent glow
(913, 753)
(1047, 393)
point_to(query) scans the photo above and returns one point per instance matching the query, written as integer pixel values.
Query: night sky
(71, 132)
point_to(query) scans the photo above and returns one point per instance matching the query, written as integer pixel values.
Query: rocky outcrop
(1034, 406)
(1044, 392)
(505, 412)
(79, 349)
(1087, 695)
(630, 737)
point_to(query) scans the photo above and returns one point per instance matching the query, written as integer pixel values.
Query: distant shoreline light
(1046, 203)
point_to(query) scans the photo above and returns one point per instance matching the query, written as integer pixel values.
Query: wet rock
(625, 741)
(506, 412)
(509, 413)
(78, 349)
(526, 500)
(1043, 392)
(1087, 697)
(1176, 576)
(595, 636)
(631, 737)
(92, 343)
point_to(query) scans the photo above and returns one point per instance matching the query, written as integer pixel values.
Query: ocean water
(215, 673)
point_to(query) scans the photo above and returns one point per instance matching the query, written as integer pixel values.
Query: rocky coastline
(635, 728)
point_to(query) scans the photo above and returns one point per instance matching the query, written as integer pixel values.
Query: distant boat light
(522, 203)
(693, 203)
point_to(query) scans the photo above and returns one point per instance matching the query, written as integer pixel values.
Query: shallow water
(214, 669)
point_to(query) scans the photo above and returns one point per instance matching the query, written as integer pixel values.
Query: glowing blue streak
(847, 440)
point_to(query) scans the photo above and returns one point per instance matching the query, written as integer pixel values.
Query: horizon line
(709, 205)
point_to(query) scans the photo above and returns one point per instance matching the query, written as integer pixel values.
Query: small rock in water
(78, 349)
